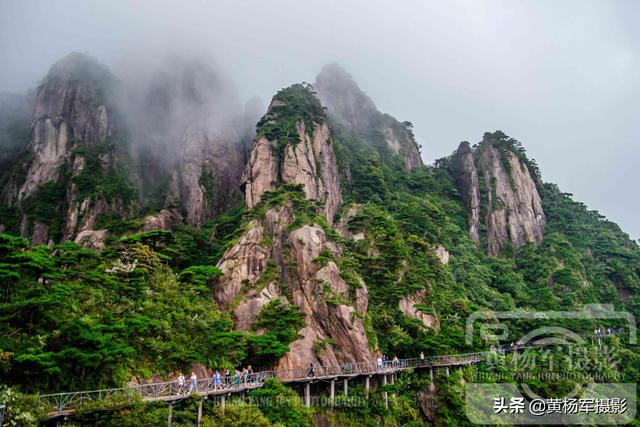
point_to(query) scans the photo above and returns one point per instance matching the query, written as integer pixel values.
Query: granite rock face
(332, 309)
(269, 256)
(309, 160)
(72, 120)
(92, 239)
(408, 304)
(467, 178)
(173, 137)
(68, 113)
(512, 208)
(166, 219)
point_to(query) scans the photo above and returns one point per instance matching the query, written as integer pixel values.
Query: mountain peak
(79, 67)
(344, 99)
(293, 145)
(512, 205)
(352, 108)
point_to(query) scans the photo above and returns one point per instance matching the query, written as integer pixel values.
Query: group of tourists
(602, 332)
(383, 362)
(219, 381)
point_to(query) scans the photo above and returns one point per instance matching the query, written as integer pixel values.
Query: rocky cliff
(351, 107)
(467, 179)
(58, 187)
(288, 251)
(299, 266)
(499, 192)
(293, 145)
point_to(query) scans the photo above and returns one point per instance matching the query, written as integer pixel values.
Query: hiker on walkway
(217, 384)
(379, 363)
(250, 373)
(311, 372)
(227, 378)
(421, 358)
(193, 385)
(245, 375)
(180, 383)
(395, 361)
(236, 379)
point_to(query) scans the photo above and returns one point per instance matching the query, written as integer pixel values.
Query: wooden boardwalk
(60, 404)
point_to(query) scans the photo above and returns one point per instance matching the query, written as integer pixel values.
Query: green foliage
(325, 257)
(98, 178)
(75, 320)
(239, 414)
(320, 346)
(47, 206)
(290, 106)
(21, 410)
(281, 404)
(507, 146)
(281, 322)
(207, 181)
(199, 275)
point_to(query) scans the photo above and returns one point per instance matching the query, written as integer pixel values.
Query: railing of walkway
(67, 402)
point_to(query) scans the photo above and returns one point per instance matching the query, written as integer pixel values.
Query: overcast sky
(560, 76)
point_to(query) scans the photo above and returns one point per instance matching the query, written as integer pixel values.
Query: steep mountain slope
(356, 111)
(75, 169)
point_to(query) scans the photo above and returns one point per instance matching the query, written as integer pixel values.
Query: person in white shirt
(180, 383)
(193, 385)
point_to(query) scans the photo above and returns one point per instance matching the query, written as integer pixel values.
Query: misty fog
(165, 95)
(559, 76)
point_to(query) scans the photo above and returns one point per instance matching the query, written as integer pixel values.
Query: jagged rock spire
(293, 145)
(512, 204)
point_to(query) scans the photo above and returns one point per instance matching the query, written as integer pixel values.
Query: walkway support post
(346, 387)
(367, 385)
(447, 368)
(386, 394)
(307, 394)
(199, 419)
(432, 385)
(170, 415)
(223, 403)
(393, 381)
(332, 390)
